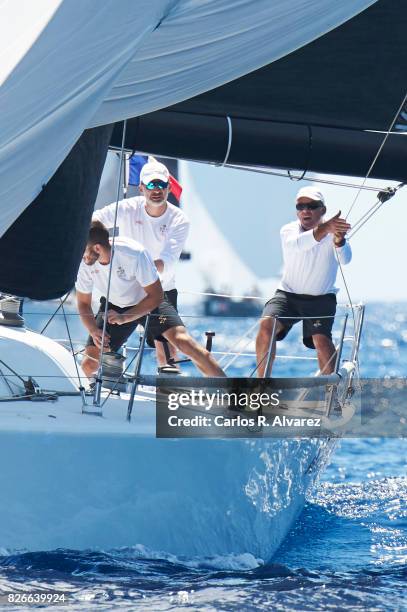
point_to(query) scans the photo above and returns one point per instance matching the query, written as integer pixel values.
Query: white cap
(154, 171)
(312, 193)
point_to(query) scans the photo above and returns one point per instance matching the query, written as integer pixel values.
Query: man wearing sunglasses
(311, 248)
(159, 226)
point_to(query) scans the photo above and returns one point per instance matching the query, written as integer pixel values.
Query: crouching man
(135, 291)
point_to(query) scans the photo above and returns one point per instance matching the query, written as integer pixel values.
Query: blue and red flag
(135, 165)
(176, 188)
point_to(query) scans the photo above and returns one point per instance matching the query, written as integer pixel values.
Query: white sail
(234, 238)
(214, 262)
(66, 66)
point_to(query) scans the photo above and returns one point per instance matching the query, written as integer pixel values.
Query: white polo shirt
(163, 237)
(132, 269)
(310, 267)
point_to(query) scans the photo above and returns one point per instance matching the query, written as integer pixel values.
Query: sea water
(348, 549)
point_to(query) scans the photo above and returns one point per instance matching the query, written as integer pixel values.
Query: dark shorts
(292, 307)
(164, 317)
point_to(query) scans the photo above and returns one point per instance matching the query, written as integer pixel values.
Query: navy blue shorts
(162, 318)
(291, 307)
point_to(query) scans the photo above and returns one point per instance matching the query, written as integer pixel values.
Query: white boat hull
(72, 480)
(186, 497)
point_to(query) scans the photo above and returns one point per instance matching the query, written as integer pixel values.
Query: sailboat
(75, 479)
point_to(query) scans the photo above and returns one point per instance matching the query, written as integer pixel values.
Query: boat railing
(136, 378)
(239, 348)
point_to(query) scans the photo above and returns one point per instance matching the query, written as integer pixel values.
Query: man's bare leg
(263, 343)
(179, 338)
(160, 353)
(90, 361)
(326, 353)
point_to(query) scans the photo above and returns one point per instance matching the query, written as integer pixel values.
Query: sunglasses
(156, 185)
(309, 206)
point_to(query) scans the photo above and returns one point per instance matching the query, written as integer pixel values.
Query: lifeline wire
(346, 289)
(81, 387)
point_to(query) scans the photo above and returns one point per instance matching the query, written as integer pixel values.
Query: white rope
(376, 157)
(374, 208)
(365, 218)
(230, 137)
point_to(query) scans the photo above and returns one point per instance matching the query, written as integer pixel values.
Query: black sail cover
(42, 250)
(323, 108)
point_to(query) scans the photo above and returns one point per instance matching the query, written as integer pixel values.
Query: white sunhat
(312, 193)
(154, 171)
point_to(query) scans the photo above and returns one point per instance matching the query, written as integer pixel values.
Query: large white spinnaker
(87, 63)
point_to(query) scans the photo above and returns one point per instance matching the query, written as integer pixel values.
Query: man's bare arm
(336, 225)
(154, 296)
(159, 264)
(84, 304)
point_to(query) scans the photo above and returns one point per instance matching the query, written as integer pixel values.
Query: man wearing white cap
(311, 250)
(158, 225)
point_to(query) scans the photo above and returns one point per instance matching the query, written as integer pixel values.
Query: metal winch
(10, 311)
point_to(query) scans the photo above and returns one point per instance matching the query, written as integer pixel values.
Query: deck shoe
(168, 369)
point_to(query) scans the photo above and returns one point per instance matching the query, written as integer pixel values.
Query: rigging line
(249, 331)
(60, 305)
(372, 208)
(258, 365)
(81, 387)
(238, 352)
(98, 385)
(313, 179)
(383, 197)
(376, 157)
(12, 371)
(7, 382)
(125, 179)
(362, 222)
(346, 289)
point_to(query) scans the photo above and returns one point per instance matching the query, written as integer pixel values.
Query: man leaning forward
(135, 291)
